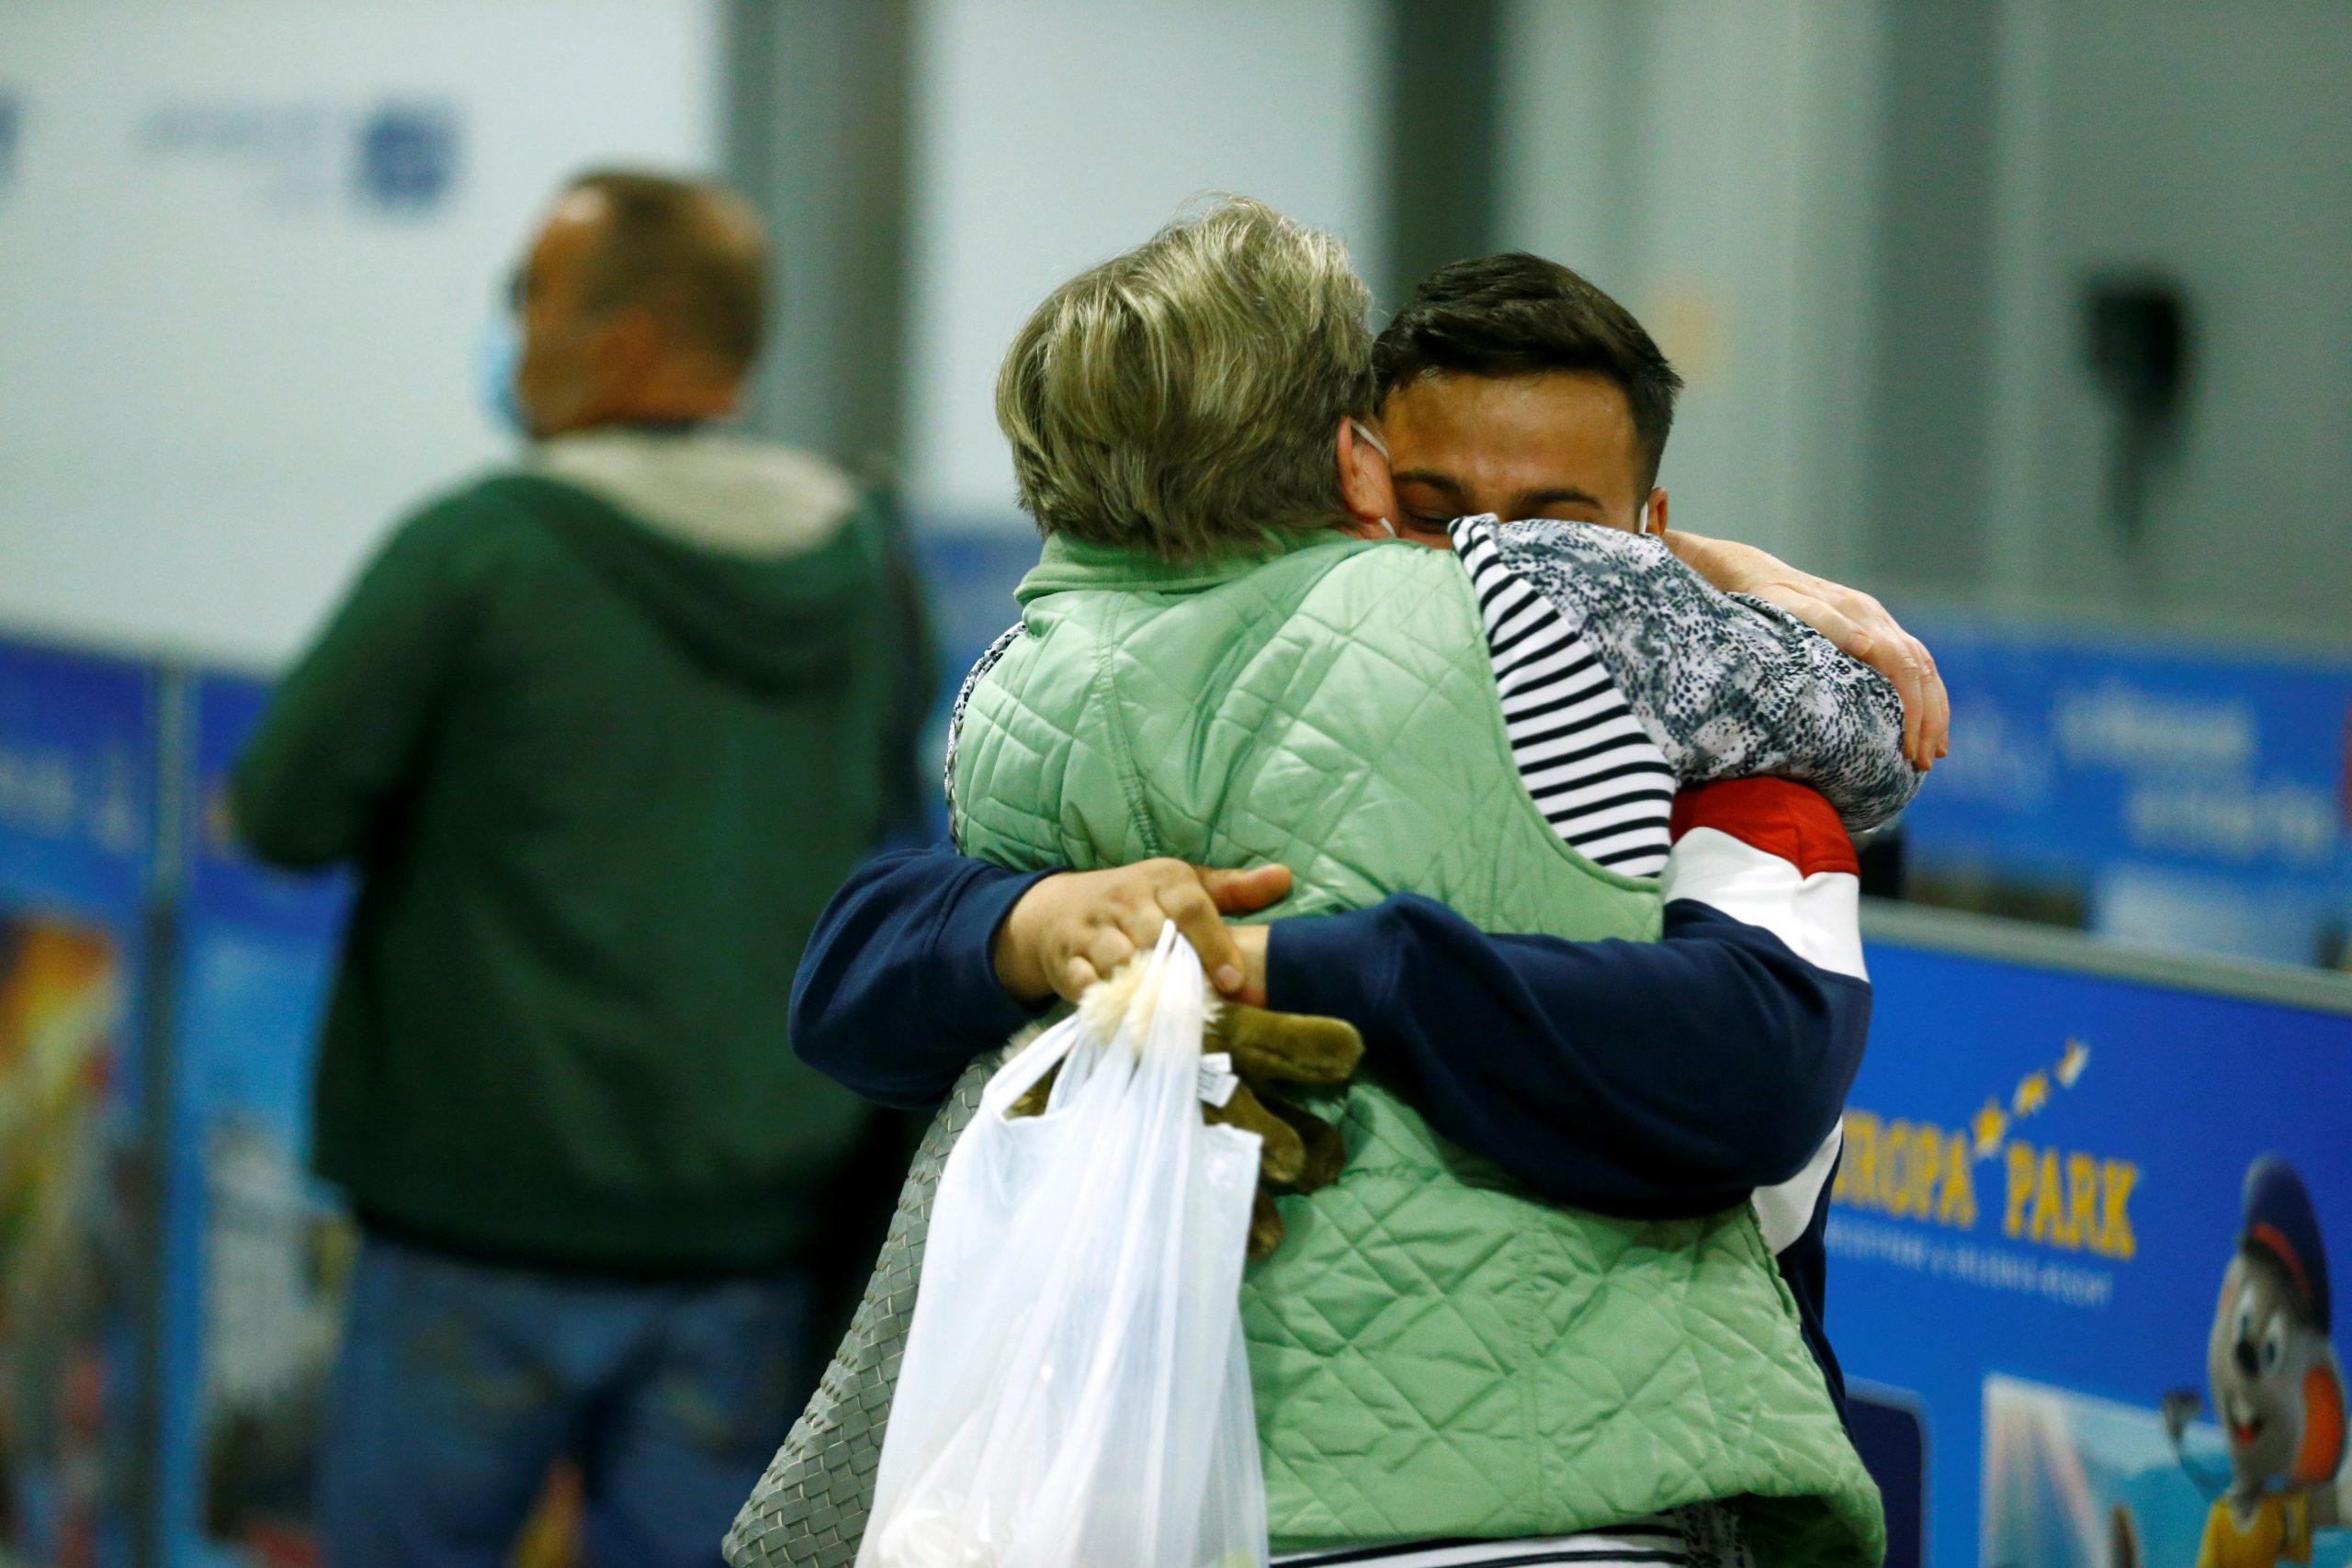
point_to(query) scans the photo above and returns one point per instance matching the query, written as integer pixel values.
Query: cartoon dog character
(2277, 1385)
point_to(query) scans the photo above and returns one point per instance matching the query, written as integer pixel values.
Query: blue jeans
(460, 1383)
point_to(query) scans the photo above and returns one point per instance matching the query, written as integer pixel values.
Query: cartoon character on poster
(2278, 1388)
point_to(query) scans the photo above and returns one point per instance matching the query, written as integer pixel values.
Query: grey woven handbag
(809, 1509)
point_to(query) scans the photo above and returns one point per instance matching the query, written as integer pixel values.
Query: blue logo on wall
(408, 158)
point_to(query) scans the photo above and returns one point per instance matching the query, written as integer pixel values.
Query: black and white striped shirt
(1596, 774)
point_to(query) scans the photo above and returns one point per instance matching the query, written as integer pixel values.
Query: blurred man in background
(601, 734)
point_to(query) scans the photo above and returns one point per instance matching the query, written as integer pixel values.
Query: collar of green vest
(1066, 564)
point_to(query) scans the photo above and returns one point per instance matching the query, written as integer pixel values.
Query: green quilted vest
(1435, 1352)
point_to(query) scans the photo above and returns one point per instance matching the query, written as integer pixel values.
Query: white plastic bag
(1075, 1391)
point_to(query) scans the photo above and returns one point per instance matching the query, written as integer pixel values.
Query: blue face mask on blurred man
(497, 357)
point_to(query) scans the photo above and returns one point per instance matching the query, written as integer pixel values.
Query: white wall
(223, 370)
(1050, 134)
(2212, 142)
(1708, 163)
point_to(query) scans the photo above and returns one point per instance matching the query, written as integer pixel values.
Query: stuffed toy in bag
(1300, 1151)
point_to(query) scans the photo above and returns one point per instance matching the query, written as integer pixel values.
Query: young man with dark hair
(1504, 317)
(1525, 415)
(1513, 386)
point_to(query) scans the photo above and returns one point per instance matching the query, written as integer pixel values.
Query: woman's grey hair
(1184, 396)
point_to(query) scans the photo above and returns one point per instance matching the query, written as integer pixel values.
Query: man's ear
(1656, 520)
(1365, 487)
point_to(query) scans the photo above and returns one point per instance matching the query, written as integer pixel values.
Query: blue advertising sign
(2073, 1204)
(2197, 799)
(971, 572)
(255, 1254)
(78, 786)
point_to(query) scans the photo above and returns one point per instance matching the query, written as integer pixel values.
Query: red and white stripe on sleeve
(1773, 854)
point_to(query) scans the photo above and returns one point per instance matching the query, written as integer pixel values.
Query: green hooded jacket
(598, 778)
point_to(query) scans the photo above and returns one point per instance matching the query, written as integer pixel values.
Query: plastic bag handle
(1038, 1058)
(1044, 1053)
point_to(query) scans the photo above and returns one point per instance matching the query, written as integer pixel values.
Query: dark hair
(1519, 315)
(690, 250)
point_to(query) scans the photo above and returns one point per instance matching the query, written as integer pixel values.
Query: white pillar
(1711, 163)
(1048, 136)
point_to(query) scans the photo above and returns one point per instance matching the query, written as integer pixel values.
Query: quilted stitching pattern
(1335, 710)
(1517, 1358)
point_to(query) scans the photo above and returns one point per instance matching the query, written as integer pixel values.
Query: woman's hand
(1075, 928)
(1853, 620)
(1251, 943)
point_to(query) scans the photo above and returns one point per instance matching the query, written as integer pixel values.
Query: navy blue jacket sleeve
(1643, 1079)
(1647, 1080)
(898, 990)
